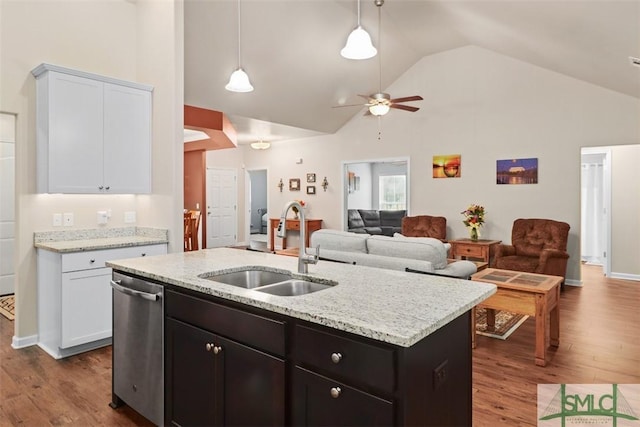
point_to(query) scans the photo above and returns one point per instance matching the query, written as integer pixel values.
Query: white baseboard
(22, 342)
(626, 276)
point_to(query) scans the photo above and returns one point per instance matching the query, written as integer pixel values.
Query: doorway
(222, 194)
(257, 218)
(7, 202)
(595, 206)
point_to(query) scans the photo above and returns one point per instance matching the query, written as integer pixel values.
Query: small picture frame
(311, 177)
(311, 189)
(294, 184)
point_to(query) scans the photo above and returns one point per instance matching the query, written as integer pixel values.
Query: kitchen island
(381, 347)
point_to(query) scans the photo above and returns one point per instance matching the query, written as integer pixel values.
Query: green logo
(587, 404)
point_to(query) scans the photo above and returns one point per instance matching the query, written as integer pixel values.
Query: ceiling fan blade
(408, 98)
(404, 107)
(367, 97)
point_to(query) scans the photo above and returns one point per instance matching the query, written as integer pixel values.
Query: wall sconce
(281, 185)
(325, 183)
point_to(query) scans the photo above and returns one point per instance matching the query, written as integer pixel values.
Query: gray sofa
(420, 254)
(371, 221)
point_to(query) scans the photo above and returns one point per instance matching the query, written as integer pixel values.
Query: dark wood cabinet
(211, 380)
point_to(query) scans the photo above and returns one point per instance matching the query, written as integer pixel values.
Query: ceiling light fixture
(381, 103)
(379, 109)
(359, 44)
(260, 145)
(239, 80)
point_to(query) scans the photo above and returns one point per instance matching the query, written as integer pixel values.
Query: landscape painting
(447, 166)
(517, 171)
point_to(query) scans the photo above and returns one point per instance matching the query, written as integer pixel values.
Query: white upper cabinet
(93, 133)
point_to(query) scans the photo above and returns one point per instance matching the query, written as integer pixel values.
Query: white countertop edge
(68, 246)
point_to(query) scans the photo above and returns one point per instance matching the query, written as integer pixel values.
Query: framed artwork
(294, 184)
(351, 182)
(517, 171)
(311, 189)
(311, 177)
(447, 166)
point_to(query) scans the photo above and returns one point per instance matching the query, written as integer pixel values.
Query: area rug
(7, 306)
(506, 323)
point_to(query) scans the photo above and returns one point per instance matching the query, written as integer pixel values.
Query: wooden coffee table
(532, 294)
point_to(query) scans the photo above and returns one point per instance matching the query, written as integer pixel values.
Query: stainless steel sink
(248, 279)
(292, 287)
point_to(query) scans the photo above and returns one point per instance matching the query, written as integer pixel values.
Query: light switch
(67, 219)
(102, 217)
(57, 220)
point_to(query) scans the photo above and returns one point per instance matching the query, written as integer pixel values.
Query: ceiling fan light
(359, 45)
(239, 82)
(379, 109)
(260, 145)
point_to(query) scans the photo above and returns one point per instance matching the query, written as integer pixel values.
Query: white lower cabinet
(75, 298)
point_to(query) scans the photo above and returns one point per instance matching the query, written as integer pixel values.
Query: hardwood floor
(599, 343)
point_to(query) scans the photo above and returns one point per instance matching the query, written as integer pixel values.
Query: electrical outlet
(440, 375)
(67, 219)
(102, 217)
(130, 217)
(57, 220)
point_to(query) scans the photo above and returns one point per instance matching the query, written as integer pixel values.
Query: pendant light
(260, 145)
(239, 80)
(359, 44)
(380, 108)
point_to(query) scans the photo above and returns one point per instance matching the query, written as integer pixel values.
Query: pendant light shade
(260, 145)
(359, 44)
(379, 109)
(239, 80)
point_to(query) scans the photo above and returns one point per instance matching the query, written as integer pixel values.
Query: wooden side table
(477, 249)
(293, 224)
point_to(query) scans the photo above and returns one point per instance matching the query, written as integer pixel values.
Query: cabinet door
(74, 124)
(320, 401)
(127, 139)
(86, 306)
(253, 386)
(190, 375)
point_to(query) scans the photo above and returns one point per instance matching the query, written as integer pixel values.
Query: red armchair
(425, 226)
(537, 246)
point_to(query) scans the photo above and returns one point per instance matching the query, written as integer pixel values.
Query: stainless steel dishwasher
(138, 367)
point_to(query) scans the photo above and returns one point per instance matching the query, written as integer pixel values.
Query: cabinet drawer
(346, 358)
(293, 225)
(96, 259)
(469, 250)
(248, 328)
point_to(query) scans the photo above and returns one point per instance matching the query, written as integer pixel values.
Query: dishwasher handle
(115, 284)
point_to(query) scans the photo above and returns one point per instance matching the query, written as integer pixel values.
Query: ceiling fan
(379, 103)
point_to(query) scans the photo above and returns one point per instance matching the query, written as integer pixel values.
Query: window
(393, 192)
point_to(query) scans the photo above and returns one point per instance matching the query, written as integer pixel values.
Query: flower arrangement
(295, 208)
(473, 219)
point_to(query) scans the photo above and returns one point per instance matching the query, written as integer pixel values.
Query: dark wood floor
(599, 343)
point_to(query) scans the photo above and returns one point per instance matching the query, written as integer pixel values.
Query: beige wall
(486, 107)
(119, 39)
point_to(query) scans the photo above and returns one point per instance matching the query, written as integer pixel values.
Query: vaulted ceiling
(291, 51)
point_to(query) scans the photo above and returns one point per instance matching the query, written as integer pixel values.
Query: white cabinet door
(75, 159)
(127, 139)
(86, 306)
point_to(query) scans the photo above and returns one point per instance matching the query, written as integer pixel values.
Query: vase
(473, 232)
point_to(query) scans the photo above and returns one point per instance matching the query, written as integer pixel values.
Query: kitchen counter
(385, 305)
(95, 239)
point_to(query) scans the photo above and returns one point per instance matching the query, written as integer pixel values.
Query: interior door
(222, 195)
(7, 198)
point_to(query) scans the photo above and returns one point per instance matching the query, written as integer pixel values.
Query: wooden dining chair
(195, 229)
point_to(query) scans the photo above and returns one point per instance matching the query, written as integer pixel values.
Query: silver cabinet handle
(144, 254)
(217, 349)
(208, 346)
(107, 187)
(100, 187)
(335, 392)
(336, 357)
(118, 287)
(92, 261)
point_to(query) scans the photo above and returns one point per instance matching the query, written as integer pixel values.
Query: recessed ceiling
(291, 51)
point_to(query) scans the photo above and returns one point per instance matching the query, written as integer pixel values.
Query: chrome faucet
(304, 259)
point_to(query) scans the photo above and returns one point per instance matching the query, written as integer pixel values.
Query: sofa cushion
(339, 240)
(424, 248)
(370, 217)
(430, 240)
(354, 220)
(392, 218)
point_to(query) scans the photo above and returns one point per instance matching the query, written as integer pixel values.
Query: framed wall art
(311, 177)
(294, 184)
(447, 166)
(517, 171)
(311, 189)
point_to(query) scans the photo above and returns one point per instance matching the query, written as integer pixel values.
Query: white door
(7, 201)
(222, 203)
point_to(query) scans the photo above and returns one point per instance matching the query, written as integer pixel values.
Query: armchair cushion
(425, 226)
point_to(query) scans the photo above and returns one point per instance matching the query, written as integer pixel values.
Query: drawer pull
(335, 392)
(217, 349)
(144, 254)
(92, 261)
(209, 346)
(336, 357)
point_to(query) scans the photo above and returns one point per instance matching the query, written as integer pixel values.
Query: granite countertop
(390, 306)
(94, 239)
